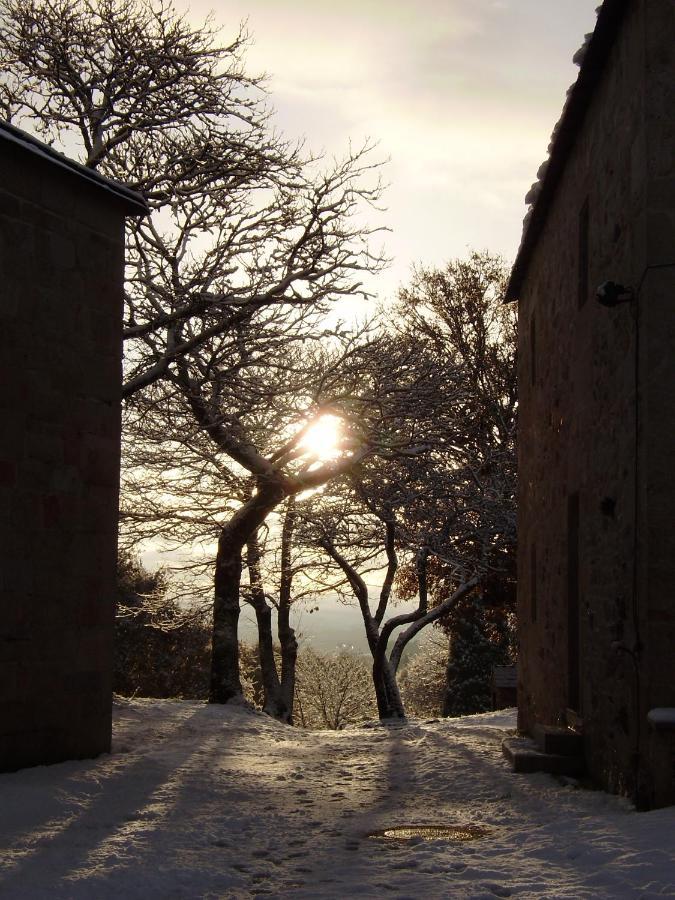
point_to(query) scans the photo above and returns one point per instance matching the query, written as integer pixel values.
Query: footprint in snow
(497, 890)
(406, 864)
(240, 867)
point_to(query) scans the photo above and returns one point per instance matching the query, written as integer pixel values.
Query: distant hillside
(333, 626)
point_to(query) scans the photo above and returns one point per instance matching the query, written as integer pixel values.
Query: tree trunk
(225, 675)
(272, 699)
(289, 656)
(287, 639)
(273, 703)
(389, 703)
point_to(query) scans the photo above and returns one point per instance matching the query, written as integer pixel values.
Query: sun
(322, 437)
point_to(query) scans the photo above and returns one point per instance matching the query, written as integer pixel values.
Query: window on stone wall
(583, 255)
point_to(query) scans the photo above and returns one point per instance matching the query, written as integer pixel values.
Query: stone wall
(61, 270)
(596, 558)
(657, 407)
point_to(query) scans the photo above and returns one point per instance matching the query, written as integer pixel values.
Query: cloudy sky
(462, 96)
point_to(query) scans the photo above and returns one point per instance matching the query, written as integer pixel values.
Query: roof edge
(610, 19)
(134, 202)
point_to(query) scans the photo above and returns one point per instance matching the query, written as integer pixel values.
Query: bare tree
(423, 676)
(242, 222)
(439, 524)
(366, 382)
(248, 243)
(376, 514)
(382, 539)
(460, 310)
(182, 510)
(333, 690)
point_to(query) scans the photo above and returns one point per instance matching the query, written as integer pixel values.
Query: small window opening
(583, 255)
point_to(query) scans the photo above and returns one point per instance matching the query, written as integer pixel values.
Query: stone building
(597, 412)
(61, 275)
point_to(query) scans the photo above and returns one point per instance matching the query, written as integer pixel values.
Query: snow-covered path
(207, 802)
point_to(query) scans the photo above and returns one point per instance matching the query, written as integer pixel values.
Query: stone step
(558, 740)
(525, 756)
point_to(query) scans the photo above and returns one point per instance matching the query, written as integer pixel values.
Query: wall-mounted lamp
(612, 294)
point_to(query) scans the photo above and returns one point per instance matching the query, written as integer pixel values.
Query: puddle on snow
(432, 833)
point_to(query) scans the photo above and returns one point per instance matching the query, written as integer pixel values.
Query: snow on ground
(200, 801)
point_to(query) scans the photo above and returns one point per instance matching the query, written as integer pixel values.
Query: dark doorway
(573, 649)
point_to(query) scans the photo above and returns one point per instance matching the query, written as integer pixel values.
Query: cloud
(462, 94)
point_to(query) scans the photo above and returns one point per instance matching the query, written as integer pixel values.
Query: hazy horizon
(333, 627)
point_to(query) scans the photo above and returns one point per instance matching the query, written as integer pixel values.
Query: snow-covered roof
(134, 203)
(591, 57)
